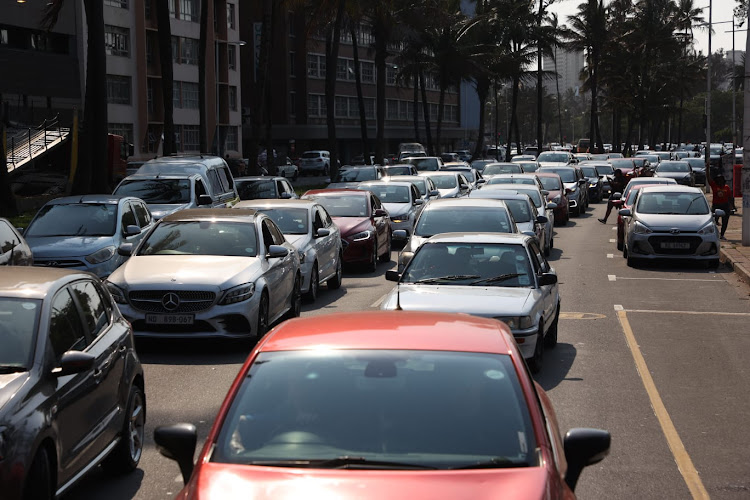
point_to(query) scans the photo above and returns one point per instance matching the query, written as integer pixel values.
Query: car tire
(295, 305)
(39, 480)
(125, 457)
(372, 266)
(312, 292)
(326, 170)
(334, 282)
(262, 327)
(386, 257)
(535, 363)
(628, 259)
(619, 244)
(550, 340)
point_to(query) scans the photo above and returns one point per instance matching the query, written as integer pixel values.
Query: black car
(264, 188)
(699, 168)
(71, 385)
(594, 182)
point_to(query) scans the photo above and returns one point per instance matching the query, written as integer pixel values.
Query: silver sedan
(401, 200)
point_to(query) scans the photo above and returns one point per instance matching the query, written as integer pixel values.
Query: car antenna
(398, 298)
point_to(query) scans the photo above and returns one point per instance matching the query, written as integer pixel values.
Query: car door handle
(122, 349)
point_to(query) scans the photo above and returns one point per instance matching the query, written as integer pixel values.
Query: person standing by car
(617, 185)
(722, 199)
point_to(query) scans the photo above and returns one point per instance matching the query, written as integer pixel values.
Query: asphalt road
(656, 355)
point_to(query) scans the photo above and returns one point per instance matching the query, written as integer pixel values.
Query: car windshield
(566, 174)
(444, 181)
(356, 175)
(502, 168)
(256, 189)
(529, 166)
(631, 195)
(511, 180)
(202, 238)
(534, 194)
(157, 191)
(467, 219)
(590, 172)
(424, 164)
(673, 166)
(389, 193)
(520, 209)
(626, 163)
(394, 409)
(672, 203)
(399, 170)
(75, 219)
(696, 163)
(470, 264)
(289, 220)
(553, 157)
(343, 206)
(311, 155)
(605, 170)
(480, 165)
(19, 318)
(421, 185)
(550, 183)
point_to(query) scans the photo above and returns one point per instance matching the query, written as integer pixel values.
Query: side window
(288, 187)
(128, 216)
(538, 257)
(326, 216)
(414, 193)
(317, 221)
(213, 180)
(278, 236)
(66, 331)
(200, 188)
(279, 189)
(373, 204)
(8, 238)
(92, 305)
(142, 214)
(461, 180)
(226, 180)
(267, 235)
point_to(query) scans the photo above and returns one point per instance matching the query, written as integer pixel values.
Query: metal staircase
(25, 144)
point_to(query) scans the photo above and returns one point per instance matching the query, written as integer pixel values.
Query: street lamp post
(708, 96)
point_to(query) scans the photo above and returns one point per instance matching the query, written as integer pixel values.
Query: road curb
(738, 262)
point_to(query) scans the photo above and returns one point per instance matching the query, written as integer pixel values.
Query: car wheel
(373, 264)
(326, 170)
(312, 292)
(262, 317)
(334, 282)
(386, 257)
(550, 340)
(628, 259)
(295, 306)
(535, 363)
(39, 479)
(128, 453)
(619, 244)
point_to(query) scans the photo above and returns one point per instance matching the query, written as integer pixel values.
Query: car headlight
(709, 228)
(641, 229)
(364, 235)
(118, 294)
(238, 294)
(573, 189)
(516, 322)
(557, 199)
(102, 255)
(301, 256)
(592, 184)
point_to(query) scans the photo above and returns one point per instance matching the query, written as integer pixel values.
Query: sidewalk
(732, 251)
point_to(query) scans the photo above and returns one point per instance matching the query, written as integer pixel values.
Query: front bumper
(102, 270)
(658, 245)
(357, 252)
(526, 341)
(404, 224)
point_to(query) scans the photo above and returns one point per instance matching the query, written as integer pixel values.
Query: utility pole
(707, 151)
(746, 153)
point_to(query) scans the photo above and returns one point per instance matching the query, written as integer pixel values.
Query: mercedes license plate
(170, 319)
(674, 245)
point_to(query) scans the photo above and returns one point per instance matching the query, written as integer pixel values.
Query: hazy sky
(722, 11)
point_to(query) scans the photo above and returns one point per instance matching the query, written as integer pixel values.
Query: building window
(188, 51)
(292, 64)
(176, 95)
(172, 8)
(150, 49)
(403, 110)
(233, 98)
(390, 75)
(122, 129)
(118, 89)
(190, 95)
(316, 66)
(123, 4)
(190, 10)
(38, 41)
(3, 37)
(150, 96)
(368, 72)
(178, 138)
(391, 109)
(232, 139)
(353, 107)
(232, 56)
(230, 16)
(369, 108)
(147, 9)
(191, 137)
(117, 40)
(341, 109)
(316, 105)
(290, 23)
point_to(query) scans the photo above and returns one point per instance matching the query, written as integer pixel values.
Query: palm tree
(333, 38)
(384, 15)
(167, 78)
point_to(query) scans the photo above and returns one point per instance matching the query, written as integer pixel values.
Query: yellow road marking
(578, 315)
(684, 463)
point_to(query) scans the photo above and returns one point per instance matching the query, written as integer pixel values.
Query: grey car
(449, 184)
(427, 189)
(84, 232)
(14, 251)
(350, 177)
(679, 170)
(308, 226)
(401, 200)
(501, 276)
(670, 222)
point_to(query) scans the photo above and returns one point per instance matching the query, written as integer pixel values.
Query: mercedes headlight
(709, 228)
(102, 255)
(516, 322)
(641, 229)
(364, 235)
(238, 294)
(118, 294)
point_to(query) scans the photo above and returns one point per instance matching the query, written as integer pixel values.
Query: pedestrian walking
(617, 185)
(722, 199)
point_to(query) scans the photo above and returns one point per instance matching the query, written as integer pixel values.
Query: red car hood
(552, 194)
(351, 225)
(227, 482)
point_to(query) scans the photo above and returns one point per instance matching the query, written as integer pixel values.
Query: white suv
(315, 162)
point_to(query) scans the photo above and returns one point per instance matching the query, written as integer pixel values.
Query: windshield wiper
(494, 463)
(343, 462)
(495, 279)
(5, 369)
(451, 277)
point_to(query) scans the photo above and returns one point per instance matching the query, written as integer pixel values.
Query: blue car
(84, 232)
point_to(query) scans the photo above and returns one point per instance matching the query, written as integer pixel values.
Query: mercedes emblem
(170, 301)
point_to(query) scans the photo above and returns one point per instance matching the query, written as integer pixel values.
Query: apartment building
(298, 69)
(134, 84)
(569, 66)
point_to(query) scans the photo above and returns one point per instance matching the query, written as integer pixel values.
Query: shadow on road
(117, 487)
(554, 254)
(557, 363)
(193, 351)
(679, 266)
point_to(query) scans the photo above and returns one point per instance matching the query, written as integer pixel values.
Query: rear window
(468, 219)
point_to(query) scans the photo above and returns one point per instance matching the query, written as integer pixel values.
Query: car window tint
(128, 216)
(66, 331)
(215, 182)
(267, 235)
(142, 214)
(92, 305)
(200, 188)
(317, 221)
(8, 238)
(325, 216)
(226, 180)
(276, 234)
(19, 318)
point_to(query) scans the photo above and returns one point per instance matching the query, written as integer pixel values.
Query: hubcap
(136, 428)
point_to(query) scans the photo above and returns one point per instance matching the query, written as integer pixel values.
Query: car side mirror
(617, 203)
(286, 196)
(529, 233)
(204, 199)
(568, 190)
(547, 279)
(542, 219)
(551, 205)
(125, 249)
(74, 362)
(617, 195)
(132, 230)
(399, 234)
(392, 275)
(481, 181)
(584, 447)
(328, 180)
(545, 192)
(434, 192)
(625, 212)
(581, 182)
(19, 229)
(177, 442)
(380, 212)
(419, 201)
(277, 252)
(322, 232)
(719, 213)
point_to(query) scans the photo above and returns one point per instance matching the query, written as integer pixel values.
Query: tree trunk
(513, 126)
(559, 112)
(269, 92)
(483, 90)
(381, 51)
(628, 143)
(202, 98)
(441, 104)
(332, 54)
(360, 97)
(426, 114)
(596, 134)
(539, 89)
(679, 121)
(167, 79)
(415, 105)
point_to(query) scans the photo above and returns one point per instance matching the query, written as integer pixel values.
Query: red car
(557, 194)
(384, 404)
(364, 223)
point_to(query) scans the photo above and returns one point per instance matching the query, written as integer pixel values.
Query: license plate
(675, 245)
(170, 319)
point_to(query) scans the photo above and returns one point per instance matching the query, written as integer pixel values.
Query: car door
(13, 249)
(381, 223)
(279, 275)
(549, 292)
(325, 246)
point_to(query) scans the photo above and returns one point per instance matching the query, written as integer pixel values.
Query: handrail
(34, 139)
